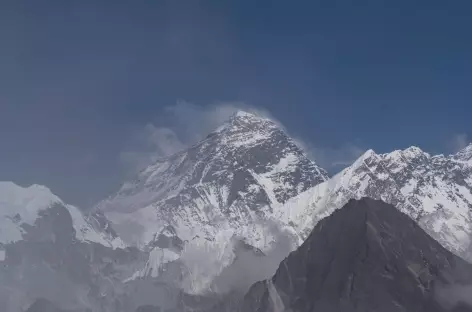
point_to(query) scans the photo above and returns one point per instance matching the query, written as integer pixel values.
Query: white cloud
(459, 142)
(150, 143)
(193, 122)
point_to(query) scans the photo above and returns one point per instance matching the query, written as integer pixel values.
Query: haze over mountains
(221, 215)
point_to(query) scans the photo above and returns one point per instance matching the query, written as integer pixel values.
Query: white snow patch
(159, 257)
(288, 163)
(86, 233)
(268, 185)
(26, 202)
(21, 205)
(205, 260)
(243, 114)
(409, 187)
(249, 139)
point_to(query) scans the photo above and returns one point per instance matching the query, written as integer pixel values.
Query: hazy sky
(88, 89)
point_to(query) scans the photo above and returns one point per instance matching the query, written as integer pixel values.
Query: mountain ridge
(436, 191)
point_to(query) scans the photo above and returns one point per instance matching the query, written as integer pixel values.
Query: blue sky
(84, 85)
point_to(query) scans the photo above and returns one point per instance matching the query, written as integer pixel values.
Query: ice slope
(20, 206)
(231, 184)
(436, 191)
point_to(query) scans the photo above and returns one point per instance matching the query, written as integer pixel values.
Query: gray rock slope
(367, 256)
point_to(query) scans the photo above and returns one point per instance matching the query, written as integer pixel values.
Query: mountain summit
(231, 184)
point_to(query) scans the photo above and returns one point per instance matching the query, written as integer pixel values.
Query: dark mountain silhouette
(367, 256)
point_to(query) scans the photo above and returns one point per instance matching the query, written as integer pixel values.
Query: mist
(250, 267)
(454, 296)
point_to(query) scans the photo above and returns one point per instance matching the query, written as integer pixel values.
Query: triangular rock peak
(367, 256)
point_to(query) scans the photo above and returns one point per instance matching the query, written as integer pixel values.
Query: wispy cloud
(187, 123)
(193, 122)
(459, 142)
(150, 143)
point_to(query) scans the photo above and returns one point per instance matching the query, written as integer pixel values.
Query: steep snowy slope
(229, 185)
(436, 191)
(20, 206)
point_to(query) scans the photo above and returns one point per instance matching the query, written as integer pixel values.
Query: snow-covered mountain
(230, 185)
(20, 207)
(51, 251)
(217, 216)
(436, 191)
(248, 180)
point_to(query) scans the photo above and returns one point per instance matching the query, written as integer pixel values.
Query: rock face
(226, 188)
(367, 256)
(436, 191)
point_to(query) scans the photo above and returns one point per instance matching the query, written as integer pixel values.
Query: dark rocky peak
(367, 256)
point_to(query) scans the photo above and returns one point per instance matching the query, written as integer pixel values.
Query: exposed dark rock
(365, 257)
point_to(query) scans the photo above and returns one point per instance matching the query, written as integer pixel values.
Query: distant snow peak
(406, 155)
(19, 205)
(25, 201)
(23, 205)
